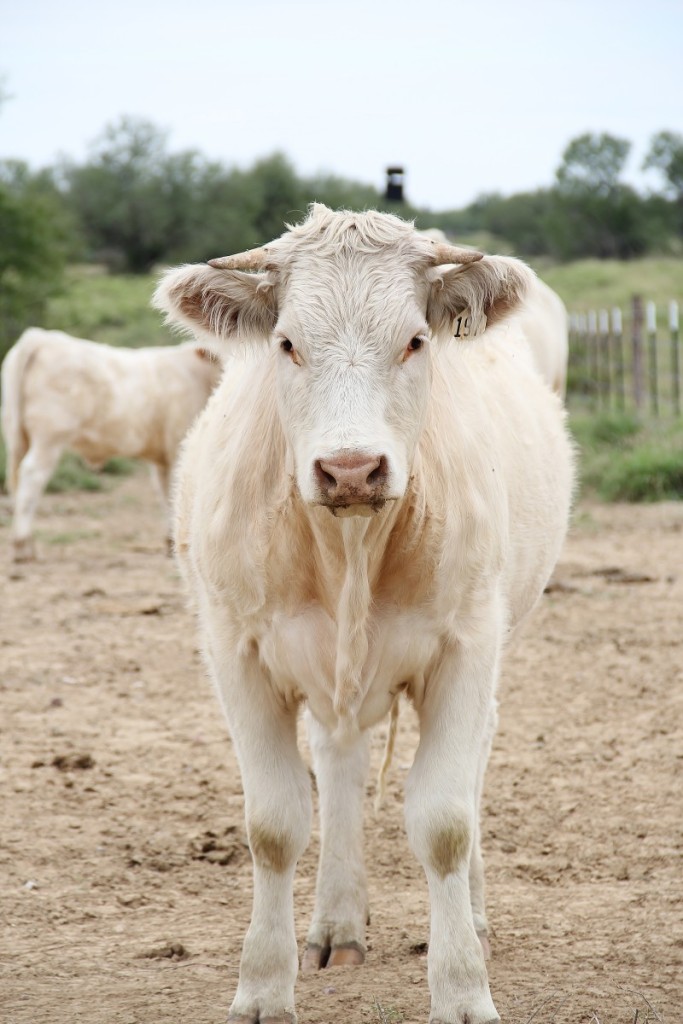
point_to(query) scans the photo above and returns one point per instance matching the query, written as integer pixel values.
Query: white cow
(543, 319)
(369, 508)
(61, 393)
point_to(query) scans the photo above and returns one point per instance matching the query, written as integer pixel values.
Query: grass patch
(601, 284)
(385, 1014)
(68, 536)
(73, 474)
(111, 308)
(624, 459)
(646, 474)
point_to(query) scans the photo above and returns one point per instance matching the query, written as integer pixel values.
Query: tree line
(133, 204)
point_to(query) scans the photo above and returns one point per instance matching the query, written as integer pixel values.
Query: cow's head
(350, 304)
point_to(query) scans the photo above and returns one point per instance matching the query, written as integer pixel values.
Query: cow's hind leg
(277, 800)
(34, 474)
(336, 936)
(161, 476)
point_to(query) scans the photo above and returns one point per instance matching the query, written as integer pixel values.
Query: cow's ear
(484, 292)
(217, 303)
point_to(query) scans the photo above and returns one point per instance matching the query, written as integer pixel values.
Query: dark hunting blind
(394, 192)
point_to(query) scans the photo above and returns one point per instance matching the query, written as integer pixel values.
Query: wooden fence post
(651, 322)
(637, 338)
(593, 356)
(618, 344)
(675, 370)
(605, 382)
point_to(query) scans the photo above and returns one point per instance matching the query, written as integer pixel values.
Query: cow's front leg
(277, 801)
(477, 887)
(441, 819)
(337, 933)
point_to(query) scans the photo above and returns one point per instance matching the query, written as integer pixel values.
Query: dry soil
(125, 874)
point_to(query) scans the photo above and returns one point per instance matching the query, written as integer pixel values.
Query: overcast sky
(470, 96)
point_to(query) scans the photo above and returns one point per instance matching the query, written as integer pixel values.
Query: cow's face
(353, 375)
(351, 305)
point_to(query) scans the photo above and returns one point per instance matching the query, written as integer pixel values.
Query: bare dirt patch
(126, 879)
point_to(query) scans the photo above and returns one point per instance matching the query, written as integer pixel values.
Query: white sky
(470, 96)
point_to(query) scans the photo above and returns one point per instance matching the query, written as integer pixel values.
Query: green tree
(593, 213)
(132, 198)
(35, 237)
(593, 163)
(666, 155)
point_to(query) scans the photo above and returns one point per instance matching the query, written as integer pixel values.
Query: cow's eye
(414, 345)
(286, 345)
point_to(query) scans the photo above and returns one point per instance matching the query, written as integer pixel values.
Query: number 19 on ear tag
(464, 328)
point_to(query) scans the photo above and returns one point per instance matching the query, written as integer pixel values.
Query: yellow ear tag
(463, 327)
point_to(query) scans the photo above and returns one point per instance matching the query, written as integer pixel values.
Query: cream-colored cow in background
(367, 508)
(61, 393)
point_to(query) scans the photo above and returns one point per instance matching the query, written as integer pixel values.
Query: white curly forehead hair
(326, 232)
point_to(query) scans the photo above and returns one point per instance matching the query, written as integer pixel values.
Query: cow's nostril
(324, 478)
(379, 473)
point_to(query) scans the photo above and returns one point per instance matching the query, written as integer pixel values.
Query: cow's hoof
(466, 1019)
(244, 1018)
(23, 550)
(349, 954)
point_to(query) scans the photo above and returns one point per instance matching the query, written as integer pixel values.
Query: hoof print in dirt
(73, 762)
(166, 951)
(223, 849)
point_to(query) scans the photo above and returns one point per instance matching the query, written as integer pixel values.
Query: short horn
(444, 253)
(252, 259)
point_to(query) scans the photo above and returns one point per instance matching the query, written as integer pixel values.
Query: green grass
(624, 459)
(601, 284)
(67, 536)
(113, 308)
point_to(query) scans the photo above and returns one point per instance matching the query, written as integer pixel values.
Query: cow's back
(543, 318)
(102, 401)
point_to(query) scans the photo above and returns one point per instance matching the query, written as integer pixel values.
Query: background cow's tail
(388, 754)
(14, 368)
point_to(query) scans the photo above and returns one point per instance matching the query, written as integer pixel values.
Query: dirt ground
(125, 875)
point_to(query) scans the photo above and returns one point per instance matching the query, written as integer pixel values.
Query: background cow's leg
(277, 798)
(161, 475)
(34, 474)
(337, 932)
(441, 812)
(477, 885)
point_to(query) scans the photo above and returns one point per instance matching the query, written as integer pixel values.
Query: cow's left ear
(491, 289)
(223, 304)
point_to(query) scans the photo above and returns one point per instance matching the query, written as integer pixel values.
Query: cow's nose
(351, 478)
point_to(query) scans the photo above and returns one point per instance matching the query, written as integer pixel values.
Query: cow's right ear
(219, 304)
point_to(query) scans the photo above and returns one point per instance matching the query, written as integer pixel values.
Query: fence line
(617, 359)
